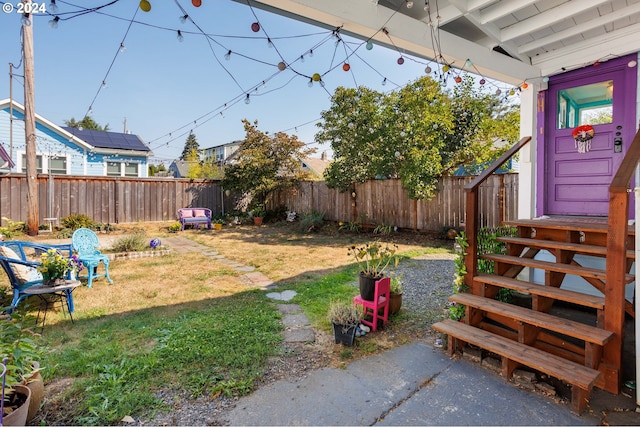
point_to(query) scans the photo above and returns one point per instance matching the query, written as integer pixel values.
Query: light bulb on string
(53, 24)
(247, 100)
(53, 7)
(301, 58)
(468, 63)
(269, 43)
(346, 66)
(426, 6)
(282, 66)
(310, 84)
(227, 55)
(104, 84)
(369, 46)
(180, 36)
(545, 79)
(446, 68)
(255, 27)
(482, 81)
(458, 79)
(184, 18)
(400, 61)
(512, 92)
(122, 48)
(316, 77)
(498, 92)
(196, 3)
(311, 53)
(90, 110)
(384, 81)
(427, 70)
(145, 6)
(409, 4)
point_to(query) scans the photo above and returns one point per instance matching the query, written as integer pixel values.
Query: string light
(269, 43)
(310, 84)
(346, 66)
(53, 7)
(247, 100)
(384, 81)
(409, 4)
(227, 55)
(196, 3)
(400, 60)
(184, 18)
(369, 46)
(145, 6)
(180, 36)
(255, 27)
(53, 24)
(282, 66)
(104, 84)
(122, 48)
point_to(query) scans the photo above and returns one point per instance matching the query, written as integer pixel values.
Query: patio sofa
(195, 217)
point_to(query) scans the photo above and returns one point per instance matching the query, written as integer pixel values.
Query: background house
(70, 151)
(220, 153)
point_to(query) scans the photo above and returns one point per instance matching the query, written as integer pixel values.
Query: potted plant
(217, 223)
(258, 213)
(395, 297)
(345, 318)
(24, 388)
(55, 268)
(373, 259)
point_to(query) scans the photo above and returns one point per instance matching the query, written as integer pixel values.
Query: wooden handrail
(471, 211)
(616, 264)
(496, 165)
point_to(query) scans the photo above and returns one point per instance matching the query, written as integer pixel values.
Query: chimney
(323, 156)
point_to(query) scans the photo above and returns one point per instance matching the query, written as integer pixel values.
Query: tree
(416, 134)
(86, 123)
(205, 169)
(153, 169)
(265, 163)
(191, 148)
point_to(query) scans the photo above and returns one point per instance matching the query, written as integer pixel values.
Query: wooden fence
(381, 202)
(385, 202)
(109, 199)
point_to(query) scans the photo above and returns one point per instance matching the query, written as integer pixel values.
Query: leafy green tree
(416, 134)
(205, 169)
(86, 123)
(153, 169)
(265, 163)
(191, 148)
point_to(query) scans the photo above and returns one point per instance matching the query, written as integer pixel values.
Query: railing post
(471, 231)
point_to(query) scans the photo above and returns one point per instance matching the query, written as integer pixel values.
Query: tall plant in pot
(344, 317)
(373, 260)
(24, 388)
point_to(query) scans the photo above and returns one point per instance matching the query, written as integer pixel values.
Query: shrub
(175, 227)
(131, 243)
(312, 221)
(12, 229)
(76, 221)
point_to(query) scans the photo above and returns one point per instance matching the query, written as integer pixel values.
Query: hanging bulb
(247, 100)
(196, 3)
(122, 48)
(427, 70)
(346, 66)
(409, 4)
(316, 77)
(53, 24)
(545, 79)
(255, 27)
(180, 37)
(468, 63)
(145, 6)
(104, 84)
(369, 46)
(53, 7)
(269, 43)
(512, 92)
(301, 58)
(524, 85)
(310, 84)
(25, 20)
(426, 6)
(400, 61)
(384, 81)
(311, 53)
(445, 68)
(458, 79)
(498, 92)
(282, 66)
(90, 110)
(227, 55)
(482, 81)
(184, 18)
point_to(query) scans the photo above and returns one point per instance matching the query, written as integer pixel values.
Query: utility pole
(30, 123)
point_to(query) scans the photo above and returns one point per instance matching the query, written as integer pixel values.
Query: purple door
(577, 174)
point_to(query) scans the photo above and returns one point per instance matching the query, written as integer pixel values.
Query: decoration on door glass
(583, 136)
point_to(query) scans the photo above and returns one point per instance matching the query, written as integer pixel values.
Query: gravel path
(428, 281)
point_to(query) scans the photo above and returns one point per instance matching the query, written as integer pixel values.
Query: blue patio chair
(20, 260)
(85, 243)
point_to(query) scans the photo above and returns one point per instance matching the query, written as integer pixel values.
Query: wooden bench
(514, 354)
(195, 217)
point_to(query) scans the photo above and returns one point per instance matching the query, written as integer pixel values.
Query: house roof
(113, 140)
(508, 40)
(5, 159)
(316, 166)
(180, 168)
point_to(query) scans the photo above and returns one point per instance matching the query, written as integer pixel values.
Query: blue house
(70, 151)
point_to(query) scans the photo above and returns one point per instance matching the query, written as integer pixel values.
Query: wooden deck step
(514, 353)
(571, 328)
(568, 224)
(593, 273)
(572, 297)
(551, 244)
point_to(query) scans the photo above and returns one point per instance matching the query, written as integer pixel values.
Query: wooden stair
(539, 337)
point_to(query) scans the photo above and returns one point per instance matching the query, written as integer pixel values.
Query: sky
(165, 88)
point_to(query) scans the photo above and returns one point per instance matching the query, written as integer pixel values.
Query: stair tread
(554, 266)
(563, 369)
(567, 327)
(580, 298)
(552, 244)
(574, 224)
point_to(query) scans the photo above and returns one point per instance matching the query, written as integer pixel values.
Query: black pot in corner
(368, 286)
(344, 334)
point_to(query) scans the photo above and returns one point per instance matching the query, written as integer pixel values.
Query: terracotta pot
(257, 220)
(367, 286)
(395, 302)
(19, 416)
(36, 385)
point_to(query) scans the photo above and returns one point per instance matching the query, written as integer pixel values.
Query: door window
(589, 104)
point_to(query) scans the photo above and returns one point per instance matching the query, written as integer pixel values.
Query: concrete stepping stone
(282, 296)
